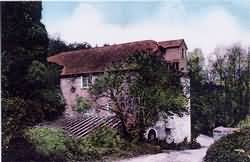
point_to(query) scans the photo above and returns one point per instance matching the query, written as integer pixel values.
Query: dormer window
(86, 81)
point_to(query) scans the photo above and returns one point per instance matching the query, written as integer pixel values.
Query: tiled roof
(97, 59)
(172, 43)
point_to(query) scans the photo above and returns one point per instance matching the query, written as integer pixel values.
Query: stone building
(80, 68)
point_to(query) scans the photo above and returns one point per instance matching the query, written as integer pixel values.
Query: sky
(204, 24)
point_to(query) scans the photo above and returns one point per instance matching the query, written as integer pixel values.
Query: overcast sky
(203, 24)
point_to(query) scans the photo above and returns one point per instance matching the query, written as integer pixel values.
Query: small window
(176, 65)
(183, 53)
(168, 131)
(86, 81)
(109, 106)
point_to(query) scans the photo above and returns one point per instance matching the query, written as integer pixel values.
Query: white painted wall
(180, 128)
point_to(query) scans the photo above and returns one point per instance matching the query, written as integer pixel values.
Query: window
(176, 65)
(183, 53)
(109, 106)
(86, 81)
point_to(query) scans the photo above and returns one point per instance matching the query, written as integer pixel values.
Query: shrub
(83, 150)
(104, 137)
(20, 150)
(82, 105)
(55, 145)
(99, 143)
(53, 103)
(50, 142)
(231, 148)
(244, 123)
(17, 114)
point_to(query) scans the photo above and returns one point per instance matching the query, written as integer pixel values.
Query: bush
(54, 144)
(39, 144)
(53, 103)
(18, 114)
(231, 148)
(82, 105)
(244, 123)
(105, 137)
(20, 150)
(48, 141)
(106, 142)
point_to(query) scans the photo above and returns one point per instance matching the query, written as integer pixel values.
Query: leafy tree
(223, 97)
(233, 75)
(56, 45)
(202, 96)
(146, 81)
(24, 39)
(27, 88)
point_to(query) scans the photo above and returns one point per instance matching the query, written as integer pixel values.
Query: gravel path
(177, 156)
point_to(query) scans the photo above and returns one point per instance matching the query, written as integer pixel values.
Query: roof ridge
(98, 58)
(108, 46)
(181, 39)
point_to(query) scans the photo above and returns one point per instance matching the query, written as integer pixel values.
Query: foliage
(232, 148)
(52, 103)
(48, 141)
(244, 123)
(29, 96)
(57, 45)
(82, 105)
(104, 137)
(220, 93)
(107, 142)
(15, 111)
(148, 83)
(36, 73)
(24, 41)
(158, 89)
(53, 144)
(233, 73)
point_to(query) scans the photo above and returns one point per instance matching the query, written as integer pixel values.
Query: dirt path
(174, 156)
(177, 156)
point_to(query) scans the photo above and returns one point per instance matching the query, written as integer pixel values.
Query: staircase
(80, 127)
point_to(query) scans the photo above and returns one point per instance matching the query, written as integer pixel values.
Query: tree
(233, 73)
(222, 99)
(24, 39)
(56, 45)
(201, 92)
(141, 87)
(29, 96)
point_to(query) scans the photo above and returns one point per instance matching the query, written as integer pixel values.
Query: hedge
(231, 148)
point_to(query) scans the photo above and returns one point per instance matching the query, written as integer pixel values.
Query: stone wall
(71, 89)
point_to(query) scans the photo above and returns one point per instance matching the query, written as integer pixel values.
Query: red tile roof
(97, 59)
